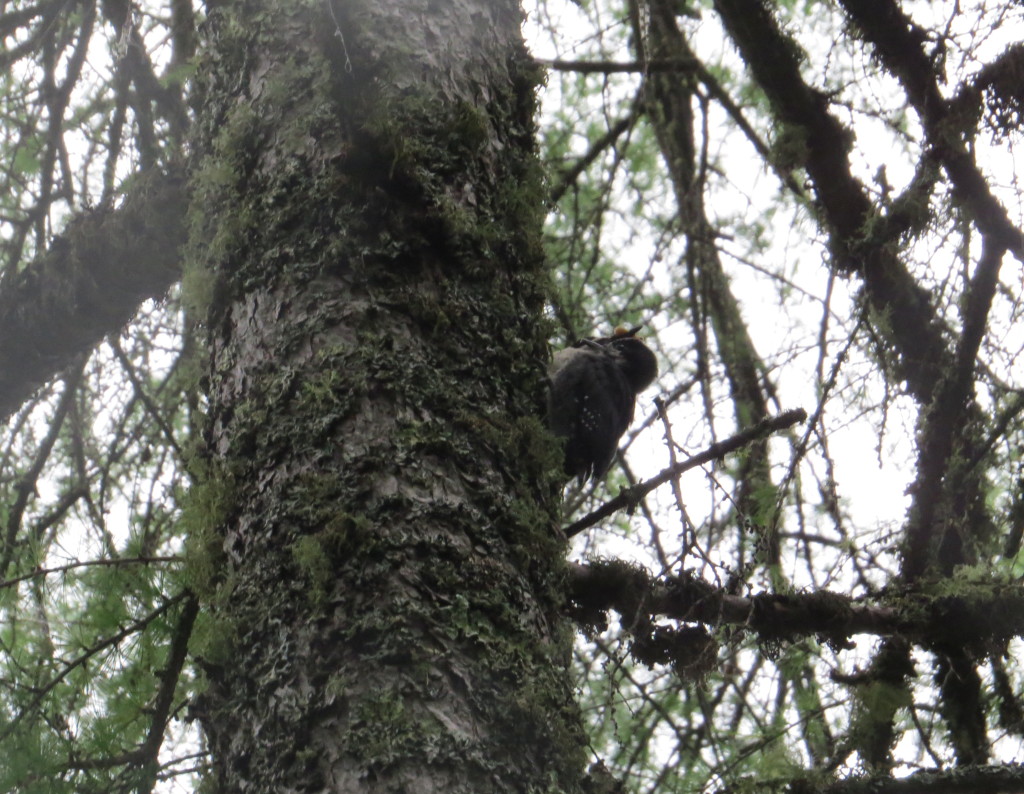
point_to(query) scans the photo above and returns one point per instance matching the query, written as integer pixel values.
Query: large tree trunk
(386, 572)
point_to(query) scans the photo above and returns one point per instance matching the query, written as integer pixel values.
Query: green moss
(318, 556)
(313, 564)
(204, 510)
(382, 728)
(213, 639)
(398, 497)
(790, 147)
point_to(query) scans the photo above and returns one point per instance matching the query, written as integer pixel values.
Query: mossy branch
(89, 283)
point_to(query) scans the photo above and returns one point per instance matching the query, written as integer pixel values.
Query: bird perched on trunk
(593, 392)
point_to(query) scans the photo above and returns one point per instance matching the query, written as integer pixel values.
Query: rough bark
(385, 602)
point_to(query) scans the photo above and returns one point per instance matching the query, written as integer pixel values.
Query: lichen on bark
(367, 217)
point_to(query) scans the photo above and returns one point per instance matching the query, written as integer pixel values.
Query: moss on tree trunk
(384, 608)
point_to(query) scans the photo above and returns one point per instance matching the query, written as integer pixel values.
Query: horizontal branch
(1004, 778)
(982, 616)
(617, 67)
(102, 563)
(603, 585)
(89, 283)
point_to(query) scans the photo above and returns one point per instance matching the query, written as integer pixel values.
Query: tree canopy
(278, 285)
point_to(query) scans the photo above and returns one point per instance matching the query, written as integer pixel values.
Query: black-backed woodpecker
(594, 384)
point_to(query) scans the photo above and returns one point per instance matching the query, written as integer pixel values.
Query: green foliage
(112, 510)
